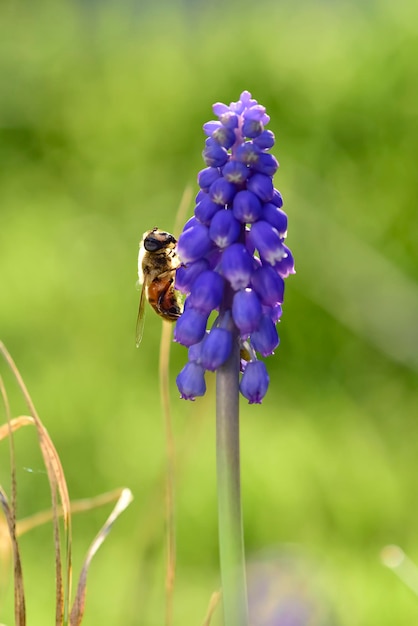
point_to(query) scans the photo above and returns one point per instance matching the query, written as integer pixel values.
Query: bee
(157, 264)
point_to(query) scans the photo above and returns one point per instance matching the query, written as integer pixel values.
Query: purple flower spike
(224, 228)
(194, 243)
(207, 292)
(216, 348)
(232, 252)
(255, 381)
(246, 311)
(191, 381)
(237, 266)
(190, 327)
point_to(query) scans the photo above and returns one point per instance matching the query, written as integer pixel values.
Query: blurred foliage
(101, 109)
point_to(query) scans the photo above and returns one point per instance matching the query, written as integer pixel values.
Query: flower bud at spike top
(224, 136)
(265, 140)
(213, 154)
(232, 252)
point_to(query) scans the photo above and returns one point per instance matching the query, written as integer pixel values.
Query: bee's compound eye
(151, 244)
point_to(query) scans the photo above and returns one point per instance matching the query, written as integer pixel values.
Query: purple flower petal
(246, 207)
(214, 155)
(254, 382)
(267, 241)
(285, 266)
(224, 228)
(265, 339)
(207, 176)
(265, 140)
(235, 172)
(268, 285)
(190, 327)
(187, 274)
(207, 292)
(222, 191)
(216, 348)
(206, 209)
(276, 217)
(194, 243)
(246, 311)
(262, 186)
(237, 266)
(191, 381)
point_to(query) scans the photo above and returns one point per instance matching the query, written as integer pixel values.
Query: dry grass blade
(10, 515)
(170, 471)
(15, 424)
(213, 603)
(57, 484)
(77, 506)
(20, 610)
(182, 209)
(77, 610)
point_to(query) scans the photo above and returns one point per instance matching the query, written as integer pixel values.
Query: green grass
(101, 116)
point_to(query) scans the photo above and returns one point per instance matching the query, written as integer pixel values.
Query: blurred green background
(101, 108)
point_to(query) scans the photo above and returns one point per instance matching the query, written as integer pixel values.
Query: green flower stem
(231, 541)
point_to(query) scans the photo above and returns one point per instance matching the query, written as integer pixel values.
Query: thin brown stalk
(170, 470)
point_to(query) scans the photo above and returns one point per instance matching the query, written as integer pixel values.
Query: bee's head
(157, 239)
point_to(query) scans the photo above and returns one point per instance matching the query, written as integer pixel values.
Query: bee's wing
(141, 316)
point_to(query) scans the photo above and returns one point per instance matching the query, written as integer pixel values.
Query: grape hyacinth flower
(233, 261)
(233, 253)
